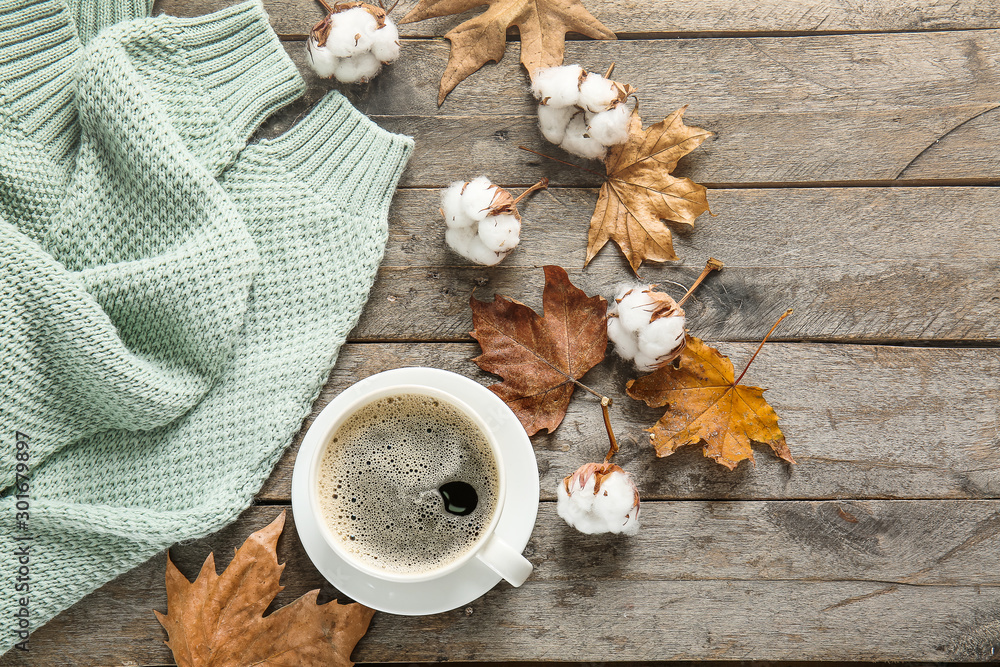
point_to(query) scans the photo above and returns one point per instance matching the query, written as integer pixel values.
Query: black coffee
(408, 483)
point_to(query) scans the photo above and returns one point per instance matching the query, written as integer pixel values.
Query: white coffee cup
(491, 549)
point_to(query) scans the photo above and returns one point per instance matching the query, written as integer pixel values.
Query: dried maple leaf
(539, 357)
(706, 405)
(218, 621)
(639, 192)
(543, 25)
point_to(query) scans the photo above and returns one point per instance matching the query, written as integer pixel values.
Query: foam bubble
(379, 479)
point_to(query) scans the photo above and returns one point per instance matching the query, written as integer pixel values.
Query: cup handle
(502, 559)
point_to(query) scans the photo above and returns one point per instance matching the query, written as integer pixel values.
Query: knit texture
(171, 299)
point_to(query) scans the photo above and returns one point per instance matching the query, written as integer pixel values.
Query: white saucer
(474, 578)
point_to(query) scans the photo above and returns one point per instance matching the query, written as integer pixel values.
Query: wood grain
(865, 264)
(774, 580)
(898, 107)
(862, 422)
(293, 18)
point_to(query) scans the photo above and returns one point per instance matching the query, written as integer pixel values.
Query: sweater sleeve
(126, 303)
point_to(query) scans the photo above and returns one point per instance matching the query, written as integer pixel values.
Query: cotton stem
(540, 185)
(605, 402)
(326, 6)
(611, 68)
(711, 265)
(787, 313)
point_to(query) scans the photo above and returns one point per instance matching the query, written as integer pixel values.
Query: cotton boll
(597, 93)
(553, 121)
(359, 68)
(649, 326)
(452, 209)
(385, 42)
(477, 199)
(610, 127)
(558, 86)
(578, 142)
(500, 233)
(599, 498)
(625, 341)
(351, 32)
(321, 60)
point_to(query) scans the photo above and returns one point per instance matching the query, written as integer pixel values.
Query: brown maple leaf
(540, 357)
(218, 620)
(639, 193)
(706, 405)
(543, 25)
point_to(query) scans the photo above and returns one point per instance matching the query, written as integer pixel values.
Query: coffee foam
(379, 479)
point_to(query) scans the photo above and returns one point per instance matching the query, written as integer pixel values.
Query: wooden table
(853, 176)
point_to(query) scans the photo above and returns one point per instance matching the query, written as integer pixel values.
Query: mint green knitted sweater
(171, 299)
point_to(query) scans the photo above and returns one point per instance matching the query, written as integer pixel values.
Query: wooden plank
(865, 264)
(771, 580)
(862, 422)
(293, 18)
(907, 107)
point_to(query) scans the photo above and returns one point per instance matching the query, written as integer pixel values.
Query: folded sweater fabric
(171, 299)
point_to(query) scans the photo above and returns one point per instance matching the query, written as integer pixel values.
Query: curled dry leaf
(543, 25)
(218, 620)
(705, 404)
(639, 193)
(540, 356)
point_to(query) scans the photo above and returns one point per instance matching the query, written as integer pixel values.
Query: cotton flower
(599, 498)
(482, 219)
(646, 326)
(352, 43)
(582, 112)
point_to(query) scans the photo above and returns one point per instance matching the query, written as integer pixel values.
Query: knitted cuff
(38, 53)
(239, 60)
(343, 156)
(91, 16)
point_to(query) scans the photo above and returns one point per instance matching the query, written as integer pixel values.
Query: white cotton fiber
(635, 307)
(558, 86)
(451, 207)
(610, 127)
(553, 121)
(649, 343)
(665, 333)
(354, 47)
(625, 341)
(322, 61)
(351, 32)
(385, 42)
(597, 93)
(578, 142)
(483, 224)
(500, 232)
(478, 198)
(613, 509)
(360, 67)
(582, 113)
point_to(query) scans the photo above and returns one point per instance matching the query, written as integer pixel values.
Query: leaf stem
(568, 164)
(582, 385)
(605, 402)
(787, 313)
(540, 185)
(711, 265)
